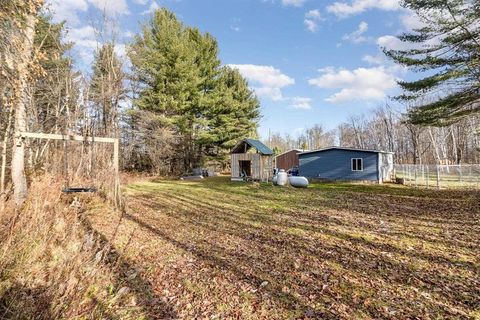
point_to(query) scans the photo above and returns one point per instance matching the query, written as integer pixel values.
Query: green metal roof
(259, 146)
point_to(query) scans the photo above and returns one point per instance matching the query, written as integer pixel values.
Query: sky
(308, 61)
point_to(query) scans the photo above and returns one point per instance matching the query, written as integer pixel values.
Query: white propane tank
(298, 182)
(282, 178)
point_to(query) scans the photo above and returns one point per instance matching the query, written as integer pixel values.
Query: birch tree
(18, 20)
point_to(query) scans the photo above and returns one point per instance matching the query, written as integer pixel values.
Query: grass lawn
(217, 249)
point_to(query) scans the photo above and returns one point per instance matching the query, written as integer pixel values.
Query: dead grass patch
(230, 250)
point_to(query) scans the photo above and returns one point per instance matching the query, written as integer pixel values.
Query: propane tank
(282, 178)
(298, 182)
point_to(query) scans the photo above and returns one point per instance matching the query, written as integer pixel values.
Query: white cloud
(151, 9)
(266, 80)
(362, 84)
(411, 21)
(313, 14)
(312, 18)
(357, 35)
(142, 2)
(390, 42)
(273, 93)
(268, 76)
(67, 10)
(293, 3)
(311, 25)
(83, 36)
(343, 9)
(85, 41)
(301, 103)
(111, 7)
(378, 59)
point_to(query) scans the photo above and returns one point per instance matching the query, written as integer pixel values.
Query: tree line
(389, 130)
(176, 108)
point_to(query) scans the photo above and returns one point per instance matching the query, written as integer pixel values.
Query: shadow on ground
(324, 252)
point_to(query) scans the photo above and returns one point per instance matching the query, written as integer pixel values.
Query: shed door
(245, 167)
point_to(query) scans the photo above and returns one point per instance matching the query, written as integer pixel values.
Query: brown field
(216, 249)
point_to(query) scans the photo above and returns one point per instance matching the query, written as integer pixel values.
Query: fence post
(438, 177)
(422, 181)
(409, 175)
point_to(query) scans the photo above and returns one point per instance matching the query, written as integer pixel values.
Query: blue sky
(308, 61)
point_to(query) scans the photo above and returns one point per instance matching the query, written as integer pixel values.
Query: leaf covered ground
(217, 249)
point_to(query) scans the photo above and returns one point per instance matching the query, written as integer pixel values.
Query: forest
(388, 129)
(176, 108)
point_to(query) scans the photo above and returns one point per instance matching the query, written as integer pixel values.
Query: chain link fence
(438, 176)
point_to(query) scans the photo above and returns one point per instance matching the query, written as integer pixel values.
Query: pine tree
(447, 49)
(232, 117)
(182, 84)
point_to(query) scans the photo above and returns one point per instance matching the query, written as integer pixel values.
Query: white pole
(428, 175)
(415, 173)
(438, 177)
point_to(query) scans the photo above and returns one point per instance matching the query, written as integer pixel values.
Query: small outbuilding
(252, 159)
(346, 164)
(288, 159)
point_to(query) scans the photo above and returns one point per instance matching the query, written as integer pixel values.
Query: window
(357, 164)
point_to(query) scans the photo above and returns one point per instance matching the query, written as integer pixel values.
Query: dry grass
(54, 266)
(215, 249)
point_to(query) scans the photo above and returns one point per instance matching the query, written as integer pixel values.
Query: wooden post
(116, 169)
(67, 137)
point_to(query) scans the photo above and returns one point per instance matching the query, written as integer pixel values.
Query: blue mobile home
(346, 164)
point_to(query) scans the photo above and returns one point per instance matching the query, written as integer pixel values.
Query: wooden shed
(288, 159)
(252, 159)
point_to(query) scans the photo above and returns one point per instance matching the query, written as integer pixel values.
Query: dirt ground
(220, 250)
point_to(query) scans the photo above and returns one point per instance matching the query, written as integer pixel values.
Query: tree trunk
(6, 137)
(435, 148)
(18, 158)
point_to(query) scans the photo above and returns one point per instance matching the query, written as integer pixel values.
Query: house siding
(287, 160)
(335, 164)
